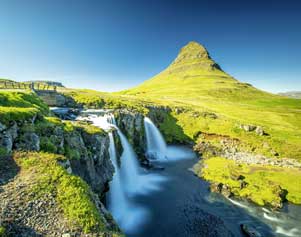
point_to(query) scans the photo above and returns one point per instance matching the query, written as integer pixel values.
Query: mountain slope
(194, 74)
(197, 83)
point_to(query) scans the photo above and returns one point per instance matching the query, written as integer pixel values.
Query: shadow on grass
(167, 124)
(8, 169)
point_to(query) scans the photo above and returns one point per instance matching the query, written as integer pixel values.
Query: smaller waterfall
(156, 146)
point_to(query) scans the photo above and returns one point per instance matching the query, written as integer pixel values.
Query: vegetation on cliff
(73, 194)
(16, 106)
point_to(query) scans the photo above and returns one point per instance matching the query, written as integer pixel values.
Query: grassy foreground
(72, 193)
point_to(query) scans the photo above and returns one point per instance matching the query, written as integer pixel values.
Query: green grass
(18, 106)
(2, 231)
(73, 195)
(263, 182)
(197, 88)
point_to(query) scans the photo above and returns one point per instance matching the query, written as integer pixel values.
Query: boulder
(248, 128)
(259, 131)
(250, 231)
(222, 189)
(8, 136)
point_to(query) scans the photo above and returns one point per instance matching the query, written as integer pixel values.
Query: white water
(155, 144)
(272, 218)
(291, 233)
(129, 179)
(116, 197)
(130, 168)
(240, 204)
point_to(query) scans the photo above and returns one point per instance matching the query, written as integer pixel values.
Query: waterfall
(116, 197)
(156, 146)
(130, 168)
(129, 179)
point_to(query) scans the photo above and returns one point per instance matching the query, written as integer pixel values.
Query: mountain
(195, 83)
(291, 94)
(195, 75)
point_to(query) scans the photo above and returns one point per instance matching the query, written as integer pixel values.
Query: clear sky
(112, 45)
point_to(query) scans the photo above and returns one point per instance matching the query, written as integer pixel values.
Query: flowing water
(155, 143)
(174, 202)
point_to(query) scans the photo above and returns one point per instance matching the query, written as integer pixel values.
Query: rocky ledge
(229, 148)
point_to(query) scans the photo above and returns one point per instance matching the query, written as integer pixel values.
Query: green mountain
(195, 82)
(195, 74)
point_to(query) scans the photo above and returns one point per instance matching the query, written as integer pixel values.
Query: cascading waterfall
(116, 197)
(156, 146)
(129, 179)
(130, 168)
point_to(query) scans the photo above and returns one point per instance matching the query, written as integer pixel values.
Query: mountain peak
(193, 50)
(194, 54)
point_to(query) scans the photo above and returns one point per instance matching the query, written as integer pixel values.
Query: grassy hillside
(208, 103)
(16, 105)
(195, 82)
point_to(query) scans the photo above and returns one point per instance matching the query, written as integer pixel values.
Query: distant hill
(50, 83)
(8, 83)
(292, 94)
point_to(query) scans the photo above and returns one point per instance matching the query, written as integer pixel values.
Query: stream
(173, 202)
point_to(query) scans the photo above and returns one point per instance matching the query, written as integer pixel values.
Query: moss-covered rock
(263, 185)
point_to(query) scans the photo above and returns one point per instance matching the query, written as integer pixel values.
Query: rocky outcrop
(250, 231)
(94, 165)
(157, 113)
(229, 148)
(54, 98)
(88, 153)
(250, 128)
(131, 123)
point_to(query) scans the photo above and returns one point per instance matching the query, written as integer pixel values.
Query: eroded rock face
(88, 153)
(7, 137)
(132, 125)
(28, 141)
(94, 165)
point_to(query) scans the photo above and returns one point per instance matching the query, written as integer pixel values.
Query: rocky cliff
(73, 184)
(87, 151)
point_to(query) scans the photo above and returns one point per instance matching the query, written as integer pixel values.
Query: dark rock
(131, 123)
(2, 127)
(29, 141)
(221, 188)
(250, 231)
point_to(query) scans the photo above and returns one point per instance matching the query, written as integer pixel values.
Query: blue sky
(113, 45)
